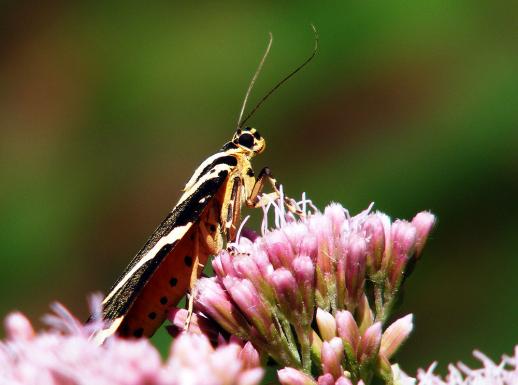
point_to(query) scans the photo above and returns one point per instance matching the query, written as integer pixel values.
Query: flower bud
(246, 297)
(251, 377)
(215, 302)
(321, 228)
(263, 263)
(370, 343)
(364, 314)
(348, 330)
(355, 268)
(326, 324)
(309, 246)
(375, 233)
(395, 335)
(278, 248)
(249, 356)
(18, 327)
(287, 293)
(304, 270)
(326, 379)
(336, 213)
(225, 365)
(304, 273)
(246, 267)
(291, 376)
(295, 234)
(423, 223)
(340, 277)
(403, 246)
(178, 317)
(387, 228)
(331, 357)
(316, 345)
(338, 345)
(343, 381)
(222, 264)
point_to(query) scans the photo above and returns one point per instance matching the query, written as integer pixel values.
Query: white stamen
(264, 224)
(238, 235)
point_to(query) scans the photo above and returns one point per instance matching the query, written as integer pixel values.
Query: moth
(208, 210)
(206, 216)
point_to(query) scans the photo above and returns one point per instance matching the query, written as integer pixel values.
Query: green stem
(387, 308)
(305, 347)
(378, 299)
(289, 339)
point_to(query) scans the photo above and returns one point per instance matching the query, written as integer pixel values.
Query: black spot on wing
(187, 212)
(188, 261)
(120, 303)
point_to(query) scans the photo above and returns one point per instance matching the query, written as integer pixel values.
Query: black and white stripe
(202, 186)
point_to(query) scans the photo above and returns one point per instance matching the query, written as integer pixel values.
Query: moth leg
(257, 200)
(208, 238)
(193, 280)
(232, 211)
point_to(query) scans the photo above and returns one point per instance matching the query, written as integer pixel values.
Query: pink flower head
(66, 354)
(267, 291)
(347, 349)
(193, 360)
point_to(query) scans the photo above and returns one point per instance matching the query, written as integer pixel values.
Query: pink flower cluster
(65, 355)
(267, 291)
(367, 352)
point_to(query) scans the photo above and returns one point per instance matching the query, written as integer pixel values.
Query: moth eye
(246, 140)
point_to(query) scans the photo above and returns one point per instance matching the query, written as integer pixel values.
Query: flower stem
(378, 299)
(305, 347)
(289, 339)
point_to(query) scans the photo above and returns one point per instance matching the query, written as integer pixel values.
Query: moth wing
(162, 242)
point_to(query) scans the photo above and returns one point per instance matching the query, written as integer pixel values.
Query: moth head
(249, 140)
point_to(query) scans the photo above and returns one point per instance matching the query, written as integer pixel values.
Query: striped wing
(171, 236)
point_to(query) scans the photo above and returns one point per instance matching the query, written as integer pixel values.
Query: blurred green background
(106, 109)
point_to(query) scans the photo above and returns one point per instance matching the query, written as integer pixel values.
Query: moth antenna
(315, 49)
(254, 78)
